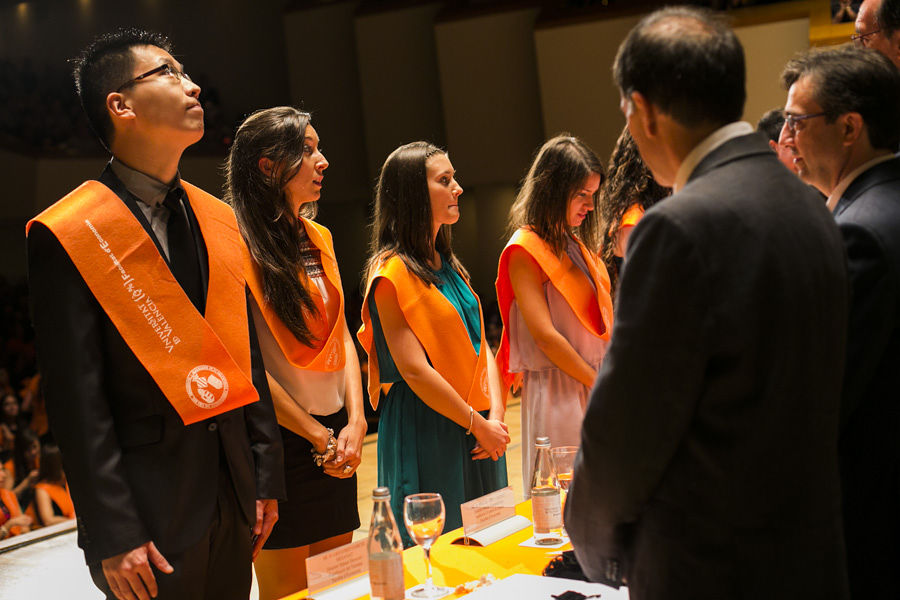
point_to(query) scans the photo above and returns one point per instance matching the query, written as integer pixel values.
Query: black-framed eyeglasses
(165, 69)
(791, 120)
(861, 39)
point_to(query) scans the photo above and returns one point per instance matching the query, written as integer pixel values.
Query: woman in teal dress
(441, 427)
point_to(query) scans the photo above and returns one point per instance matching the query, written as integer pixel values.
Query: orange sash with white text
(201, 363)
(591, 304)
(438, 327)
(328, 353)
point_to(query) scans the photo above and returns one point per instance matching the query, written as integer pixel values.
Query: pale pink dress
(553, 403)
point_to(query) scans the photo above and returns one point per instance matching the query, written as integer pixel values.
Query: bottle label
(386, 576)
(546, 511)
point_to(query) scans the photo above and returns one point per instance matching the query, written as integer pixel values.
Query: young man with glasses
(154, 386)
(878, 27)
(847, 142)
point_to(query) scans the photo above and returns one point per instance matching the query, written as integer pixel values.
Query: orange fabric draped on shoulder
(60, 497)
(438, 327)
(200, 362)
(632, 215)
(591, 304)
(328, 353)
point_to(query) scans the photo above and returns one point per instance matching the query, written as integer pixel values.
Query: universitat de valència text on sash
(156, 320)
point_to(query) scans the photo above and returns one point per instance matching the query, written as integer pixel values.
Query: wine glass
(564, 459)
(424, 518)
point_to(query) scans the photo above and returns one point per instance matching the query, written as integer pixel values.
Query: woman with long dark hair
(553, 293)
(274, 173)
(441, 427)
(24, 465)
(52, 502)
(628, 192)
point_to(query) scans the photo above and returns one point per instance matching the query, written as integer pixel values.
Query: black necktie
(183, 259)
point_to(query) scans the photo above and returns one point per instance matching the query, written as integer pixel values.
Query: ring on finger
(348, 469)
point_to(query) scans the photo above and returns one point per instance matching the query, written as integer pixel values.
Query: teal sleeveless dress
(420, 450)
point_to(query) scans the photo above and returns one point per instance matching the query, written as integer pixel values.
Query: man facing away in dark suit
(154, 385)
(843, 109)
(708, 465)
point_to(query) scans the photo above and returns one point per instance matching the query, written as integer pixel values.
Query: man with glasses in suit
(154, 384)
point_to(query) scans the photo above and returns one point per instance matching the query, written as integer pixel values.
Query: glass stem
(429, 585)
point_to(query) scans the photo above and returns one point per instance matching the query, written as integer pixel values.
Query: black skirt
(318, 506)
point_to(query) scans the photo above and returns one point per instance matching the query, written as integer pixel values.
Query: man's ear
(895, 47)
(853, 127)
(119, 107)
(266, 166)
(773, 145)
(644, 114)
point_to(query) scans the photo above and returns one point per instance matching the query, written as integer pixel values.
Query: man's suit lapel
(886, 171)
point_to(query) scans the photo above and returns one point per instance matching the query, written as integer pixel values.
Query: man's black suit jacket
(868, 215)
(135, 471)
(708, 463)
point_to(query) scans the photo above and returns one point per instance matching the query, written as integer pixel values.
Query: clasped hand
(492, 437)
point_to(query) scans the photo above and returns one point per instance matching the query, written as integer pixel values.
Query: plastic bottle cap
(381, 492)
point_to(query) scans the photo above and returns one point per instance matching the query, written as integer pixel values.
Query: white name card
(490, 518)
(340, 565)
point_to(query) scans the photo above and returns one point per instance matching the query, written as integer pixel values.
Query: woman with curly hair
(629, 191)
(553, 293)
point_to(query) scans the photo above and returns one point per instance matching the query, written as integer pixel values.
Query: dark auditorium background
(489, 80)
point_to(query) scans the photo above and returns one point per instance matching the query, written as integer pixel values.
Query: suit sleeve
(68, 324)
(874, 297)
(262, 426)
(641, 404)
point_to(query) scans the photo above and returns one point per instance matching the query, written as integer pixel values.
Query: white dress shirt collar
(701, 150)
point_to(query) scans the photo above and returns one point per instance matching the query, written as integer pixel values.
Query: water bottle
(546, 508)
(385, 550)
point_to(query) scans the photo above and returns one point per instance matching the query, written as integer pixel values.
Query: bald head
(688, 63)
(878, 27)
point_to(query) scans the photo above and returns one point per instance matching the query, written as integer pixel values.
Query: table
(454, 564)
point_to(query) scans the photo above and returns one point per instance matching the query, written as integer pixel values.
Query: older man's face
(870, 33)
(819, 152)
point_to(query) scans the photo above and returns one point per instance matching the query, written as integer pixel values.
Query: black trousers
(217, 567)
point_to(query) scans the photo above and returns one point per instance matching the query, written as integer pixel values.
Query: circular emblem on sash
(206, 386)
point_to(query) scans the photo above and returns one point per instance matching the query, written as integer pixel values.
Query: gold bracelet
(330, 449)
(471, 420)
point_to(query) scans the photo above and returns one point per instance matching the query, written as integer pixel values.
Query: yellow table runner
(453, 564)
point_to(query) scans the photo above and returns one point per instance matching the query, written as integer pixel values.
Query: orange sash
(632, 215)
(440, 330)
(328, 353)
(202, 365)
(60, 496)
(8, 498)
(593, 307)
